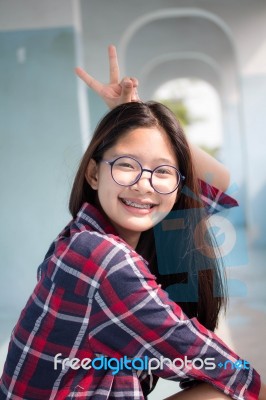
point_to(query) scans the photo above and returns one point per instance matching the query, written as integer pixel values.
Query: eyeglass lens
(127, 171)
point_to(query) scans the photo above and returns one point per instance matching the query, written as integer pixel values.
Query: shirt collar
(90, 216)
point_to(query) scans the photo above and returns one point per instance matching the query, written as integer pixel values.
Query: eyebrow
(159, 160)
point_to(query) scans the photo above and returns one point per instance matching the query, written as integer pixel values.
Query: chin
(138, 228)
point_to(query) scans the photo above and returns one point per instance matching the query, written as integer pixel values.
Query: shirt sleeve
(133, 317)
(214, 200)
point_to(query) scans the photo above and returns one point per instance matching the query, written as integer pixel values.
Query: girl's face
(122, 205)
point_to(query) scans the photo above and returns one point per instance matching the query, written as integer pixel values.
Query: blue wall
(39, 152)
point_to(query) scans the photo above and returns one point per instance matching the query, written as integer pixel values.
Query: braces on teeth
(131, 203)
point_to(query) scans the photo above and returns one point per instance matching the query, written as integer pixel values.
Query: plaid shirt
(96, 298)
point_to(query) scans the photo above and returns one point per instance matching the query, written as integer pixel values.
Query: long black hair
(194, 275)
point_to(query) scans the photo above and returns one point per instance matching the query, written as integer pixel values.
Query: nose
(144, 182)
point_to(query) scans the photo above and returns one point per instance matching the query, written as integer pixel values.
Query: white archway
(181, 42)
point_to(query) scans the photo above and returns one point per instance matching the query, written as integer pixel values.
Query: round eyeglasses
(126, 171)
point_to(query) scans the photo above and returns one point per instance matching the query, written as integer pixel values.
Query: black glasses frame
(111, 163)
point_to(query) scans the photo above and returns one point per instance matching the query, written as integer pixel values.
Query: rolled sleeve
(214, 200)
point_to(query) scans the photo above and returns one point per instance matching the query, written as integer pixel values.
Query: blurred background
(206, 59)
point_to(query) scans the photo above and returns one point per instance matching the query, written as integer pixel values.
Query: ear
(92, 174)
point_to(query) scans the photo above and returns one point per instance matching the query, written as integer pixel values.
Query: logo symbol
(223, 231)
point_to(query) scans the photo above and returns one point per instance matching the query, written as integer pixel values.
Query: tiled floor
(244, 327)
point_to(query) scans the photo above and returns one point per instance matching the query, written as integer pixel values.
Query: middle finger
(113, 65)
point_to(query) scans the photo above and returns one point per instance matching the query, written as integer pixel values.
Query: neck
(131, 238)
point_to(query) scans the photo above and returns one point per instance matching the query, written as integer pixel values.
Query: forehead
(147, 144)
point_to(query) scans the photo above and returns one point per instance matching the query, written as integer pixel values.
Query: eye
(124, 165)
(164, 170)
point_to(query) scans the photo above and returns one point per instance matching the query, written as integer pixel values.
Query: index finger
(113, 64)
(89, 80)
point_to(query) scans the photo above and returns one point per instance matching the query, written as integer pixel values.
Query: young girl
(98, 325)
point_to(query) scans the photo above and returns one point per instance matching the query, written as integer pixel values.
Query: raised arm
(208, 169)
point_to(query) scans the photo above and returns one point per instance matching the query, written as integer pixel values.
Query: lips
(139, 205)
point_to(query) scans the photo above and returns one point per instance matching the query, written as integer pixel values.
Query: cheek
(107, 191)
(165, 208)
(170, 201)
(176, 197)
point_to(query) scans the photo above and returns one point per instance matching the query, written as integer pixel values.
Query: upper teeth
(137, 205)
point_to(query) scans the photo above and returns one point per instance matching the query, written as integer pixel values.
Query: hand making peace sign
(115, 92)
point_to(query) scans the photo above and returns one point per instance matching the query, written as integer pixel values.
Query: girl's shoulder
(83, 255)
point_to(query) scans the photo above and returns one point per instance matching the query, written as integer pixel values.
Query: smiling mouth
(137, 205)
